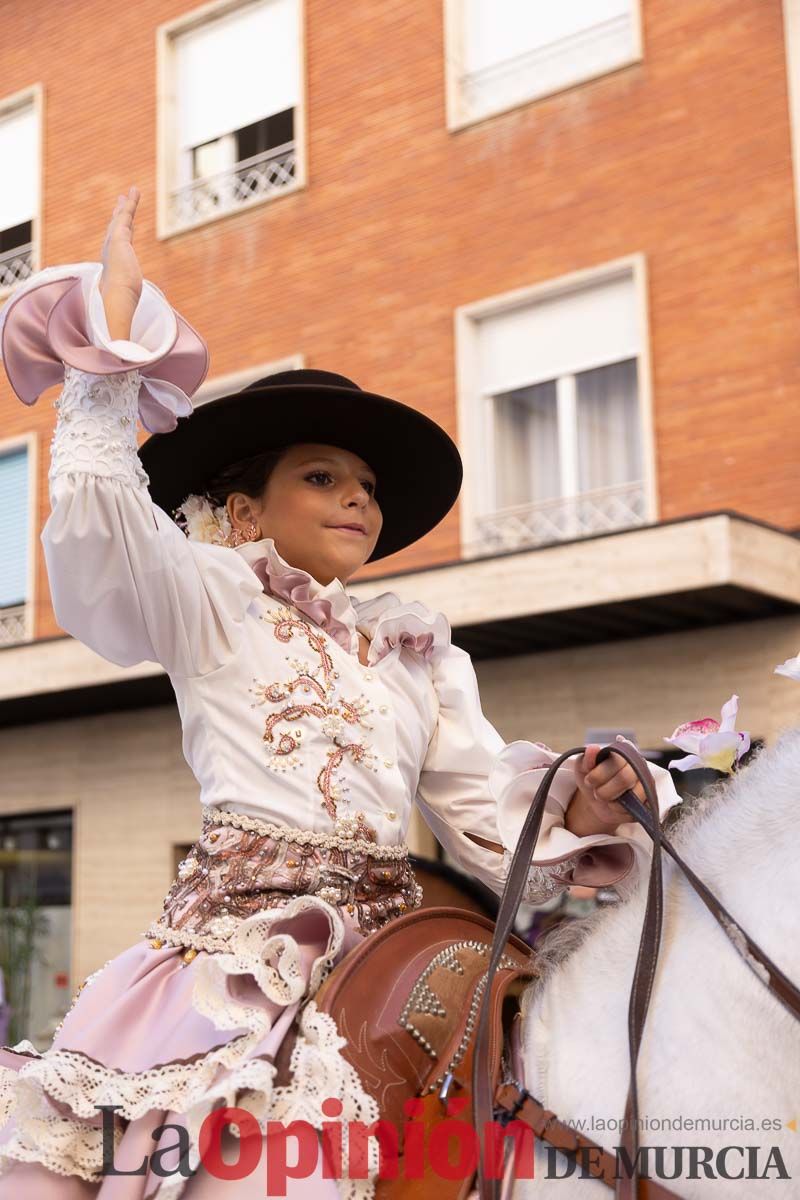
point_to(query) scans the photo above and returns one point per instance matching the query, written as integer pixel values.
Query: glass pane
(609, 433)
(263, 135)
(526, 445)
(36, 859)
(18, 235)
(35, 924)
(212, 158)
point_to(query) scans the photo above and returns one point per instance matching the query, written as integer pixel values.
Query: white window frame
(457, 114)
(234, 381)
(29, 442)
(791, 35)
(474, 410)
(166, 118)
(32, 96)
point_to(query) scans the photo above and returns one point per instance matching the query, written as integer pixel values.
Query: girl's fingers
(613, 773)
(610, 792)
(601, 774)
(585, 763)
(124, 211)
(623, 781)
(609, 769)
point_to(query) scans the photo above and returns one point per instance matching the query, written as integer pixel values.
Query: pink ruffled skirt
(167, 1036)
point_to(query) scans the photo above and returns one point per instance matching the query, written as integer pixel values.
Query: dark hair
(248, 475)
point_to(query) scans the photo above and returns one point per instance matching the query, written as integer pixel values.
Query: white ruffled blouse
(280, 719)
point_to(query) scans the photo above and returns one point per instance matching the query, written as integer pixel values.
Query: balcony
(563, 519)
(15, 266)
(247, 181)
(13, 625)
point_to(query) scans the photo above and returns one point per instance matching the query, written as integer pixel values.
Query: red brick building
(571, 237)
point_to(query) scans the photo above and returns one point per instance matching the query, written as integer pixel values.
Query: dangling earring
(236, 538)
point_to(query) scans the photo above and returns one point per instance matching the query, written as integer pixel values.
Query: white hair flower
(201, 521)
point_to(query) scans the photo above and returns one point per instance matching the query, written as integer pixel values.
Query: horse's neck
(742, 842)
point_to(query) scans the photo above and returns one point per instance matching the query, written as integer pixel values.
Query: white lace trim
(63, 1145)
(542, 882)
(95, 432)
(319, 1072)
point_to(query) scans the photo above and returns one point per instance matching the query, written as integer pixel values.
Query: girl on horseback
(312, 720)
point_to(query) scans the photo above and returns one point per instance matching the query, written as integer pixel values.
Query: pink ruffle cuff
(57, 319)
(388, 622)
(604, 858)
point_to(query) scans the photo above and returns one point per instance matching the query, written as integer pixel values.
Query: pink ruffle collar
(384, 619)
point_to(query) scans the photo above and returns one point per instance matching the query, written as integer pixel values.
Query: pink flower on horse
(710, 743)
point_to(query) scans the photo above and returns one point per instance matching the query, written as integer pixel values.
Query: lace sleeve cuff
(543, 882)
(95, 431)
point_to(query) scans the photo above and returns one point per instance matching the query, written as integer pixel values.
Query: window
(234, 86)
(35, 922)
(504, 52)
(15, 541)
(19, 196)
(556, 419)
(571, 435)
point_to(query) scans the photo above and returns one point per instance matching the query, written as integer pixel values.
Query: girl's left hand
(594, 807)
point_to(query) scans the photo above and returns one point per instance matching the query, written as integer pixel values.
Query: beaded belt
(240, 866)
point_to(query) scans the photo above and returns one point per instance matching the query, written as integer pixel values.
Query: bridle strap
(513, 1103)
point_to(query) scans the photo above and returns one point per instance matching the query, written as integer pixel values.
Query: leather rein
(513, 1102)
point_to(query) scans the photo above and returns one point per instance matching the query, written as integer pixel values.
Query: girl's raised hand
(121, 278)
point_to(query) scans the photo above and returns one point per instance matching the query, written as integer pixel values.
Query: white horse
(718, 1047)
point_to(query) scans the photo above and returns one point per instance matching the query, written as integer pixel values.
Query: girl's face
(313, 491)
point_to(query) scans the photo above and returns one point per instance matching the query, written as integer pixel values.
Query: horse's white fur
(716, 1043)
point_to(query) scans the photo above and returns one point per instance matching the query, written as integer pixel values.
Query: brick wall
(684, 157)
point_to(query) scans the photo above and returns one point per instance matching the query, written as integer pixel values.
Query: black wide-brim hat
(417, 465)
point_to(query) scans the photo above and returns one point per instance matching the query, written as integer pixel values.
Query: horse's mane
(772, 773)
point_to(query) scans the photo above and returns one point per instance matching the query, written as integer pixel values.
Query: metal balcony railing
(15, 266)
(13, 625)
(562, 519)
(246, 181)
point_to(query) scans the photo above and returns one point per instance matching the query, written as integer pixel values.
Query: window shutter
(514, 50)
(14, 537)
(497, 31)
(237, 69)
(562, 334)
(19, 154)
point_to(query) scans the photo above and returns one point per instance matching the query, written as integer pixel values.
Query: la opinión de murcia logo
(449, 1150)
(348, 1149)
